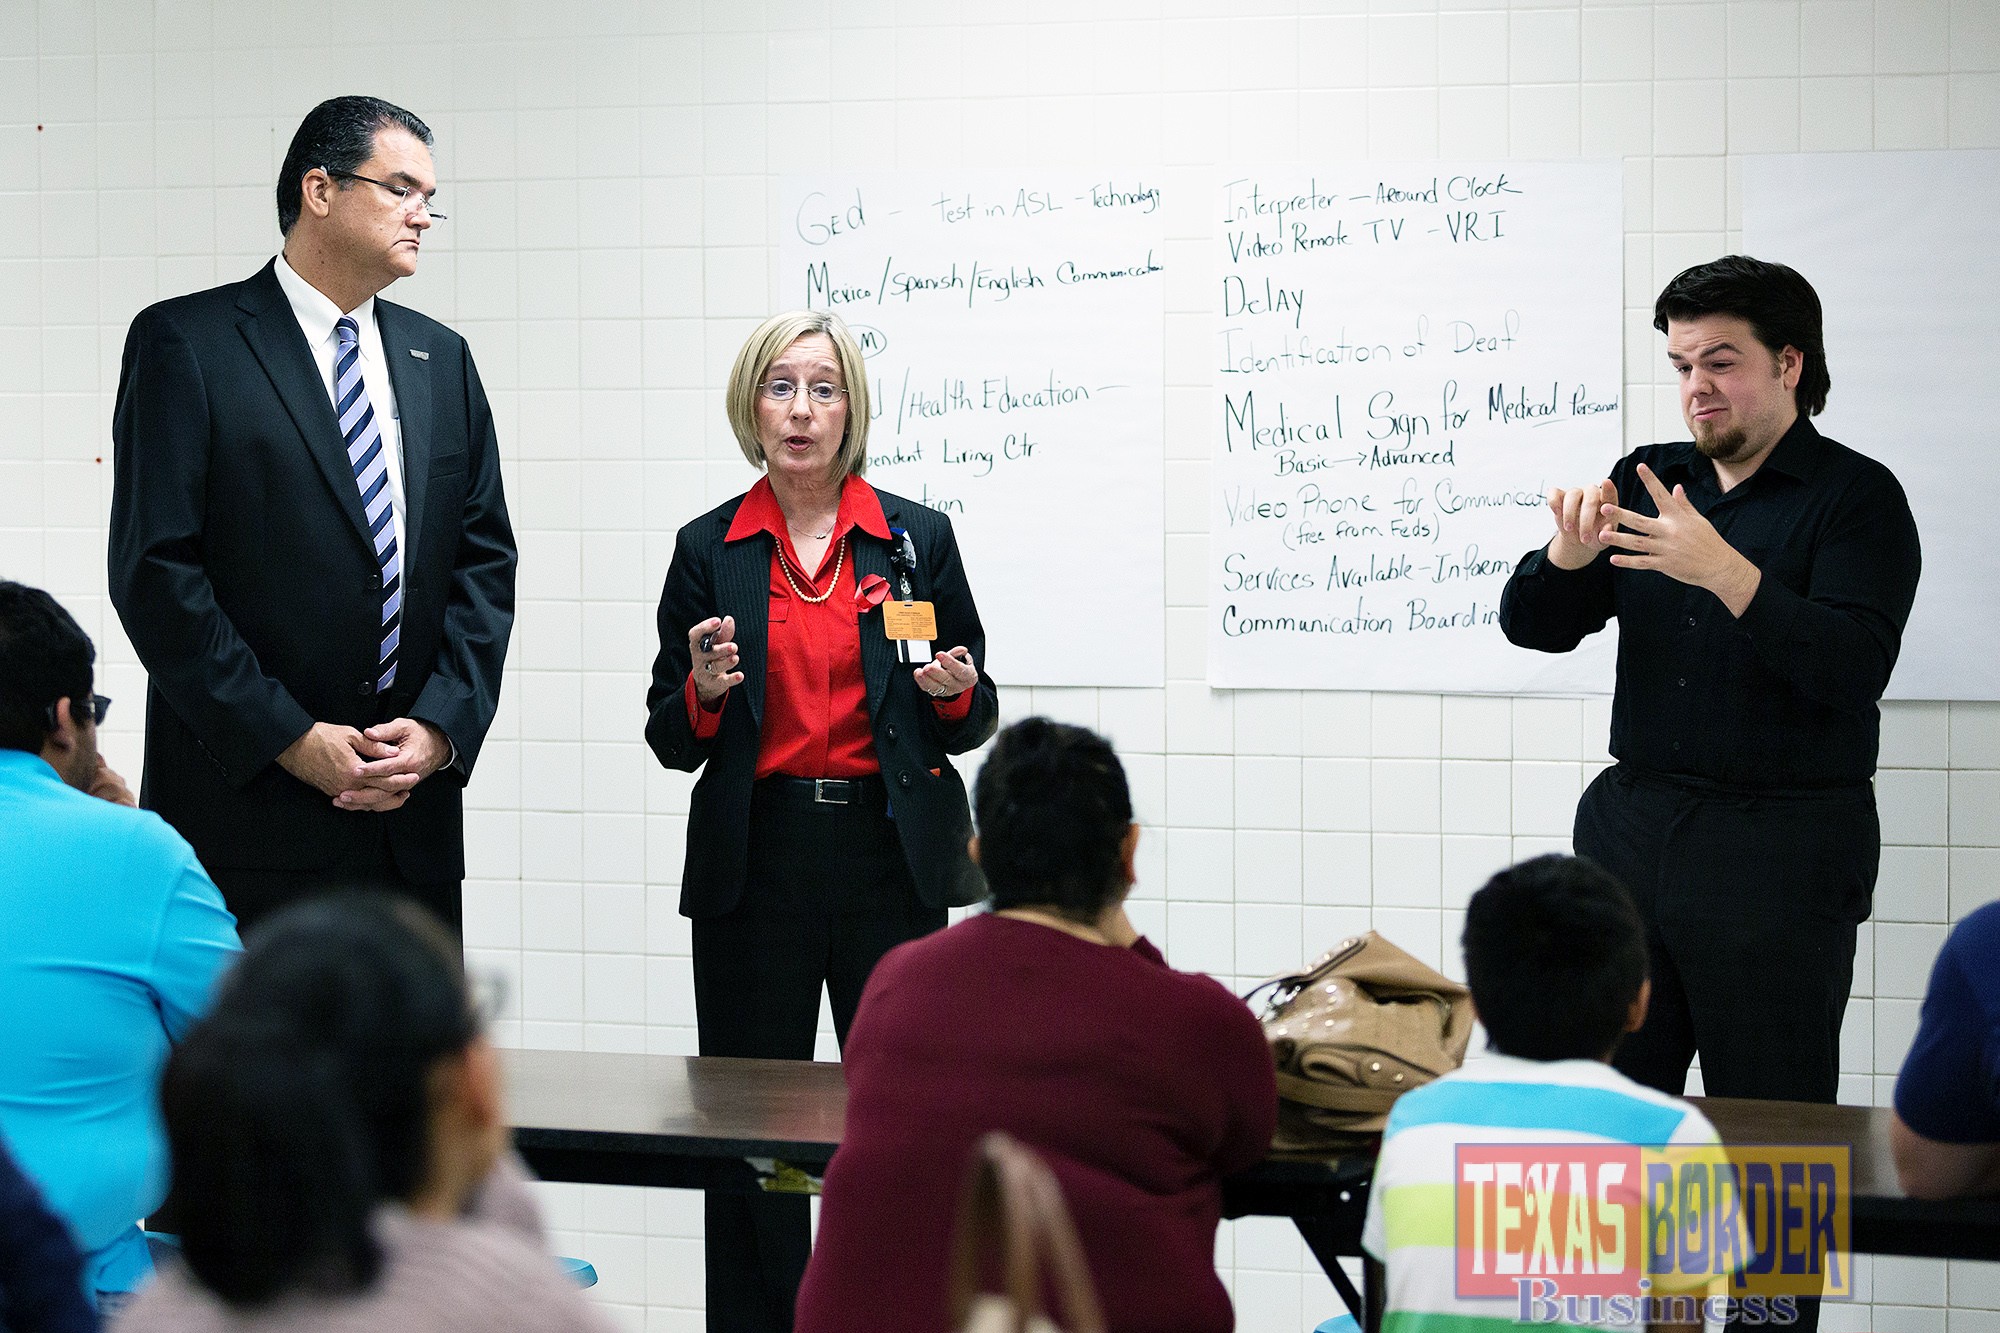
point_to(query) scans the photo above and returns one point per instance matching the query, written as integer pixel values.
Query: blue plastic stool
(1340, 1323)
(578, 1271)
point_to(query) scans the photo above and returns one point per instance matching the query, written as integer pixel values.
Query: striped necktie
(371, 473)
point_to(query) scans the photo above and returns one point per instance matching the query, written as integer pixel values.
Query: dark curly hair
(1781, 307)
(1053, 809)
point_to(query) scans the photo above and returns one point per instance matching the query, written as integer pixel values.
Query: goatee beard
(1722, 446)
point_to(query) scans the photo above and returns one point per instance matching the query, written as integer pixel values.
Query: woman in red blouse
(828, 824)
(1050, 1019)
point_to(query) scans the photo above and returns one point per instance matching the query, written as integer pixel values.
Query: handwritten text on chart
(1013, 332)
(1407, 359)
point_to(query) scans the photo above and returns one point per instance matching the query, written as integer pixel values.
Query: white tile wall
(609, 168)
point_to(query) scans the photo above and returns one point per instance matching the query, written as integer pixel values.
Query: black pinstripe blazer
(711, 577)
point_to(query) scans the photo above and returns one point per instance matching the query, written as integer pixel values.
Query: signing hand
(949, 674)
(1681, 544)
(714, 671)
(108, 786)
(330, 757)
(416, 750)
(1577, 541)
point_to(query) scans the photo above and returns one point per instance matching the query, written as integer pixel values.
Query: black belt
(1682, 784)
(825, 791)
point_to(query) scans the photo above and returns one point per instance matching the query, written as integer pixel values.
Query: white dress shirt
(317, 315)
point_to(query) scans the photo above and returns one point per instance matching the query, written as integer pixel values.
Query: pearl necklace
(839, 556)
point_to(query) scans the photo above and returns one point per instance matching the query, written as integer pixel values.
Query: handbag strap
(1295, 1089)
(1012, 1202)
(1288, 982)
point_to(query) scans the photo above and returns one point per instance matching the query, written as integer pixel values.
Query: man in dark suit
(309, 546)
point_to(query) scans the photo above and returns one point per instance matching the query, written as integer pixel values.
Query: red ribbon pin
(871, 592)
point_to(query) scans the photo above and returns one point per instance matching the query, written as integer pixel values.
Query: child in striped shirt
(1509, 1192)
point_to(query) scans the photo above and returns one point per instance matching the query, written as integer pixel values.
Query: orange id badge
(912, 625)
(909, 620)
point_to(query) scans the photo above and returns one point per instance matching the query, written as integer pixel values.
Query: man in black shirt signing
(1761, 576)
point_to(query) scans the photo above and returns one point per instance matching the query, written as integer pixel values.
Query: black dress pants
(255, 894)
(1750, 902)
(826, 893)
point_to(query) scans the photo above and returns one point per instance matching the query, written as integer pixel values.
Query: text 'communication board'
(1409, 357)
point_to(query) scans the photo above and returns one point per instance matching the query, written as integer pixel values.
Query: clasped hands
(1678, 542)
(713, 659)
(372, 770)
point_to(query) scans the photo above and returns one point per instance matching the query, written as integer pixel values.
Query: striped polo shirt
(1500, 1100)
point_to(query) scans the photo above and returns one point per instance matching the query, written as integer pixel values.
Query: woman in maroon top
(1053, 1020)
(828, 824)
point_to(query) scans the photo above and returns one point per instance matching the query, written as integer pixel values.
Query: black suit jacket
(240, 566)
(711, 577)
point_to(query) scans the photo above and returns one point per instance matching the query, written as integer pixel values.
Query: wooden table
(690, 1122)
(1886, 1221)
(700, 1123)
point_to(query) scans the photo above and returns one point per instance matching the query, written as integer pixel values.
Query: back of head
(1053, 810)
(302, 1101)
(1777, 302)
(1555, 954)
(338, 135)
(44, 656)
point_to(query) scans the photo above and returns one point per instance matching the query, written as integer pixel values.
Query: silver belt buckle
(819, 792)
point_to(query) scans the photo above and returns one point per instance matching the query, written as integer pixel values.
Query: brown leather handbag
(1353, 1032)
(1012, 1216)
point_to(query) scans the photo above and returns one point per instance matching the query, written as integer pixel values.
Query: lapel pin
(421, 356)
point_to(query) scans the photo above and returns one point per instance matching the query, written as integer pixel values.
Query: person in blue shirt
(111, 939)
(1946, 1134)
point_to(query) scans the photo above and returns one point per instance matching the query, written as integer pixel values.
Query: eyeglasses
(783, 391)
(99, 706)
(409, 196)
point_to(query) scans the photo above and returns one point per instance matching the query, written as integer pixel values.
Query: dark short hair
(1555, 954)
(1053, 808)
(337, 135)
(1781, 306)
(301, 1103)
(44, 656)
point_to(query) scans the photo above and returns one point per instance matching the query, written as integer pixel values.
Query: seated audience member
(41, 1274)
(1050, 1019)
(111, 938)
(340, 1149)
(1555, 954)
(1946, 1133)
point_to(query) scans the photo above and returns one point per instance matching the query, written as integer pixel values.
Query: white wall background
(608, 165)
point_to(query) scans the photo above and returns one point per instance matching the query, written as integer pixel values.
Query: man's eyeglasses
(409, 196)
(783, 391)
(99, 706)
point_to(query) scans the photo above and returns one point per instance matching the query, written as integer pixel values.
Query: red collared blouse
(816, 722)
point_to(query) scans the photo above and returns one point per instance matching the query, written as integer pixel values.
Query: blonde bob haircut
(766, 345)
